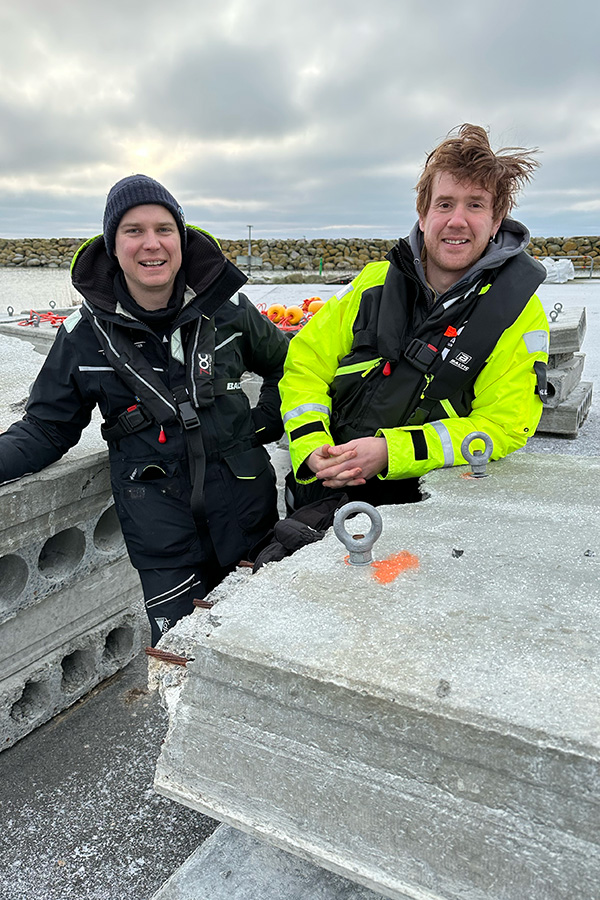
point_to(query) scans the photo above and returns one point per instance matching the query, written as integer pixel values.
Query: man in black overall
(160, 345)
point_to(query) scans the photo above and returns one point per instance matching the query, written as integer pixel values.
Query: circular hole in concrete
(32, 703)
(77, 668)
(13, 577)
(62, 553)
(107, 533)
(118, 644)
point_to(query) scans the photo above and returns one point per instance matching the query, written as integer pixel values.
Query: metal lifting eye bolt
(554, 313)
(478, 458)
(359, 546)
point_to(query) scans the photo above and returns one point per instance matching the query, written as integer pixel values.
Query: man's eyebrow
(438, 198)
(127, 223)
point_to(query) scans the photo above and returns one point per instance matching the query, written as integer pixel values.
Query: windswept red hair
(467, 155)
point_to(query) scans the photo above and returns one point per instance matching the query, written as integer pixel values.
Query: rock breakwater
(278, 257)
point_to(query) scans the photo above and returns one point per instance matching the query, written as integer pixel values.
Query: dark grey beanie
(137, 190)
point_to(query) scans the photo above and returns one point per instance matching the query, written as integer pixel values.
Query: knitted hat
(137, 190)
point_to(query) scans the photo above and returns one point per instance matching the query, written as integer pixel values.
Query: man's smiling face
(148, 248)
(457, 228)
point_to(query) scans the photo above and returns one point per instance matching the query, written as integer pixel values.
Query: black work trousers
(169, 594)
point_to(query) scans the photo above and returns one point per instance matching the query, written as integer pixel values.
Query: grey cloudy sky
(308, 118)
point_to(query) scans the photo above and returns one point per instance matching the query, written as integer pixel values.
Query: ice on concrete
(20, 364)
(437, 735)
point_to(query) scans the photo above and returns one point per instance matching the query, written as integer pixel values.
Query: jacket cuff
(408, 453)
(267, 427)
(301, 448)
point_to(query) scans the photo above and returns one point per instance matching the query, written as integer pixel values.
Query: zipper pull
(387, 369)
(162, 438)
(428, 380)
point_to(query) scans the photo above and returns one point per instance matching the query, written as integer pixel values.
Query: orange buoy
(293, 314)
(315, 304)
(276, 312)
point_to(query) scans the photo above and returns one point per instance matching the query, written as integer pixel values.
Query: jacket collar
(512, 238)
(210, 277)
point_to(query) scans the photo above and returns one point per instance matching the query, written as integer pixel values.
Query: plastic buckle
(189, 417)
(133, 420)
(420, 355)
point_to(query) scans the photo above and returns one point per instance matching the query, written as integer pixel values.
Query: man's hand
(351, 464)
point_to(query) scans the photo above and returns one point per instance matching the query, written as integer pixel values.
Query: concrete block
(231, 865)
(427, 726)
(568, 417)
(41, 335)
(564, 377)
(41, 338)
(557, 359)
(567, 331)
(70, 607)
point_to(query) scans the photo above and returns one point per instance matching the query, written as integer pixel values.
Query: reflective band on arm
(446, 442)
(306, 407)
(536, 341)
(228, 340)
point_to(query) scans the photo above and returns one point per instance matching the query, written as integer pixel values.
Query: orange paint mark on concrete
(386, 570)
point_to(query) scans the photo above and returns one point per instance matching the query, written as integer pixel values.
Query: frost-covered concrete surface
(20, 364)
(435, 733)
(78, 815)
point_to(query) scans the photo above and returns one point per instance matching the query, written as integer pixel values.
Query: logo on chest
(461, 361)
(205, 363)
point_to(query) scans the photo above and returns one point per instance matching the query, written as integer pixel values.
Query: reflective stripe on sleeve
(536, 341)
(228, 340)
(446, 442)
(306, 407)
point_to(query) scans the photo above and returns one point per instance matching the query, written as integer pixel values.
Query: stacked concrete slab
(70, 610)
(39, 333)
(570, 398)
(428, 726)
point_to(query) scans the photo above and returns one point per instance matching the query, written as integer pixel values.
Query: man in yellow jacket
(443, 338)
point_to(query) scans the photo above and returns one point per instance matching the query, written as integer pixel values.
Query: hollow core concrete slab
(430, 727)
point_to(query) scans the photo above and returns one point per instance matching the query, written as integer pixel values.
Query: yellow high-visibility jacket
(503, 400)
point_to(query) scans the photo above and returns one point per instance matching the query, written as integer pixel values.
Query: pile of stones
(50, 253)
(321, 256)
(560, 246)
(347, 254)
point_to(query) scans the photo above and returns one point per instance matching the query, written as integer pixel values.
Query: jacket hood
(208, 273)
(511, 239)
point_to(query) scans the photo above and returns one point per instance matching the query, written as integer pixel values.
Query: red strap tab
(131, 408)
(387, 369)
(450, 331)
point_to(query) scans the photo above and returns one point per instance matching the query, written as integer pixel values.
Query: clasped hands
(351, 464)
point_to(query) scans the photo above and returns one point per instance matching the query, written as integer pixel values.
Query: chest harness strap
(159, 405)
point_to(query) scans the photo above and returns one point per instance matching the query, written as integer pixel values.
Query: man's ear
(496, 226)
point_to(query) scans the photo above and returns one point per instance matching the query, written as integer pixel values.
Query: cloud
(304, 118)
